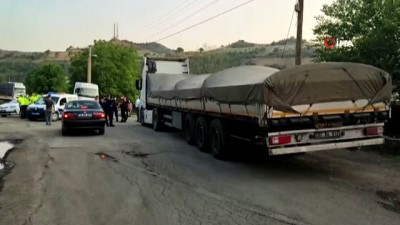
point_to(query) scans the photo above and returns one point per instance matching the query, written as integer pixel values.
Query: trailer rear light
(280, 140)
(370, 131)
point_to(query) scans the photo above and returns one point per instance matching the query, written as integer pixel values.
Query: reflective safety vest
(23, 101)
(34, 98)
(20, 100)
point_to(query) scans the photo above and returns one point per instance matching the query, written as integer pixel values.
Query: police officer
(23, 105)
(106, 104)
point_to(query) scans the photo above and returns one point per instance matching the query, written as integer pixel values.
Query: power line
(159, 19)
(287, 37)
(187, 17)
(166, 20)
(204, 21)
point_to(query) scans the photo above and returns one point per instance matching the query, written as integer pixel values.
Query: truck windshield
(19, 91)
(87, 92)
(40, 101)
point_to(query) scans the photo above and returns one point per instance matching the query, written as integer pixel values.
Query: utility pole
(300, 10)
(89, 66)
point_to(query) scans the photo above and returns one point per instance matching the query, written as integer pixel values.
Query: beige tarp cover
(305, 84)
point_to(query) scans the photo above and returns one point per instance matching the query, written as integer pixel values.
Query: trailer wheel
(157, 124)
(202, 136)
(218, 138)
(190, 129)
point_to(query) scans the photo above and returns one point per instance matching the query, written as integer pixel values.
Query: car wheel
(101, 131)
(54, 116)
(64, 131)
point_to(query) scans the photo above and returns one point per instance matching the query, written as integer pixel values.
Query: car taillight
(99, 115)
(68, 115)
(280, 140)
(370, 131)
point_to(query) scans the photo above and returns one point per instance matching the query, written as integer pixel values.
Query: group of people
(111, 105)
(24, 101)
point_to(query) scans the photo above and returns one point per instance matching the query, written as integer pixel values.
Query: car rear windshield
(82, 105)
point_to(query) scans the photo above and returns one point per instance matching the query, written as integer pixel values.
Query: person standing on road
(137, 108)
(109, 111)
(49, 109)
(129, 111)
(115, 107)
(103, 105)
(124, 109)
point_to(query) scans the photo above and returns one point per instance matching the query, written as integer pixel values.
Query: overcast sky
(38, 25)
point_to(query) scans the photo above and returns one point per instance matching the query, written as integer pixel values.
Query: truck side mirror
(138, 84)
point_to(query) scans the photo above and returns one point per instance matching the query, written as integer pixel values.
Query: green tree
(114, 69)
(373, 28)
(48, 77)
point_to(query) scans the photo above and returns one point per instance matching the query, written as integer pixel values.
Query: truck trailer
(300, 109)
(11, 91)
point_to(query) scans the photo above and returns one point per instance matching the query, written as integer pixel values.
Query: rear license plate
(35, 114)
(328, 134)
(84, 115)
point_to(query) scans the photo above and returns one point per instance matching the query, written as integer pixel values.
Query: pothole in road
(391, 200)
(106, 156)
(136, 154)
(144, 160)
(6, 146)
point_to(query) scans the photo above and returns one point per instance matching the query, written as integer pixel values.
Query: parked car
(37, 109)
(9, 108)
(83, 114)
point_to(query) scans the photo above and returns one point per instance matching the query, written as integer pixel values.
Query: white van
(86, 91)
(37, 109)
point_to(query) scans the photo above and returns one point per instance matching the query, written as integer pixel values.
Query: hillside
(15, 66)
(276, 54)
(145, 48)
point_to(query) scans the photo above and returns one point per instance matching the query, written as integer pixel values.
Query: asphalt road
(156, 178)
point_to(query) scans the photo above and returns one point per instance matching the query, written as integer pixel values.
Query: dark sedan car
(83, 114)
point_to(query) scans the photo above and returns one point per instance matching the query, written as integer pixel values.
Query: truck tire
(202, 135)
(157, 123)
(64, 131)
(218, 139)
(190, 129)
(141, 117)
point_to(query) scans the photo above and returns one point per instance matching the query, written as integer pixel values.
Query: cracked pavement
(156, 178)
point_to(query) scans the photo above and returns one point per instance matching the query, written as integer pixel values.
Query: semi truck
(301, 109)
(11, 91)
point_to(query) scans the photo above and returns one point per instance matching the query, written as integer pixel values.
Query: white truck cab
(37, 109)
(86, 91)
(161, 66)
